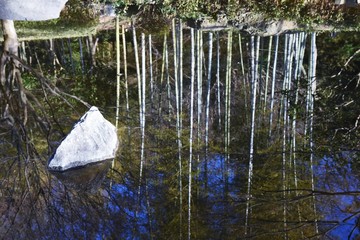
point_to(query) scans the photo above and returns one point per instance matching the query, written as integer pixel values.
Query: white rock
(92, 139)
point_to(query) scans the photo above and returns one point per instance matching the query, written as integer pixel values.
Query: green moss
(75, 20)
(51, 29)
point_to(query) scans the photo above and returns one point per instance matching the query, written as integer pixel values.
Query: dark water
(296, 191)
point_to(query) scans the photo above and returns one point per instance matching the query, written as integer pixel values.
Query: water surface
(299, 137)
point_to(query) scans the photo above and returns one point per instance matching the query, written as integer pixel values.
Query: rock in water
(92, 139)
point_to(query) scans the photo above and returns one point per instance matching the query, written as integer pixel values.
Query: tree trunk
(10, 37)
(10, 45)
(12, 77)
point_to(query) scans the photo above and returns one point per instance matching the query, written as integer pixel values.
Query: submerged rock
(92, 139)
(88, 178)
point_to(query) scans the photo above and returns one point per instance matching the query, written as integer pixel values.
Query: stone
(92, 139)
(31, 10)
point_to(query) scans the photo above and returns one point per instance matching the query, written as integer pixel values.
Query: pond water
(223, 136)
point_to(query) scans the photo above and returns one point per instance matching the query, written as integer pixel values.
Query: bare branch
(48, 84)
(346, 63)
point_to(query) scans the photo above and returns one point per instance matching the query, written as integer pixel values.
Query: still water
(223, 136)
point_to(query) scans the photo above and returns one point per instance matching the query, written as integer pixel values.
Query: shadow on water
(85, 178)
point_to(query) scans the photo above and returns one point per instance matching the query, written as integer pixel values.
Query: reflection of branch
(296, 222)
(347, 62)
(13, 220)
(316, 192)
(356, 124)
(343, 221)
(345, 65)
(339, 129)
(348, 131)
(300, 224)
(310, 193)
(48, 84)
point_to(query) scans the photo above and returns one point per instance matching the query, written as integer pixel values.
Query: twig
(47, 83)
(345, 65)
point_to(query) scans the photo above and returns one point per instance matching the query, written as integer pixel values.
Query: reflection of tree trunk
(177, 60)
(71, 56)
(92, 45)
(228, 98)
(191, 127)
(62, 53)
(243, 78)
(199, 55)
(267, 73)
(53, 57)
(23, 52)
(311, 98)
(125, 66)
(208, 107)
(254, 66)
(218, 77)
(273, 86)
(81, 56)
(151, 72)
(117, 27)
